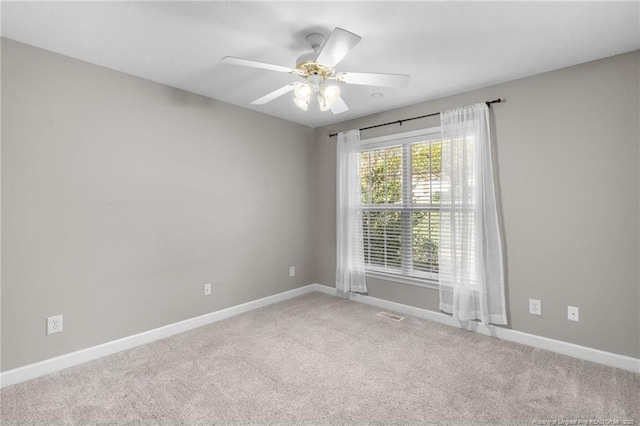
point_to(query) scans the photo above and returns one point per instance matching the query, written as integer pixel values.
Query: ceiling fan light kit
(317, 68)
(327, 94)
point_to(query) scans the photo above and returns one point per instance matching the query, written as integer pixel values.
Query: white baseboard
(51, 365)
(331, 291)
(41, 368)
(558, 346)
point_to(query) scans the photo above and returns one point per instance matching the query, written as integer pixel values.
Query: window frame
(405, 140)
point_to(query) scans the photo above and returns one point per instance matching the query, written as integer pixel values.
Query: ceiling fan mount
(318, 67)
(316, 41)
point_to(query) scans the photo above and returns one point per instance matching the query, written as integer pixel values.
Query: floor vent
(390, 316)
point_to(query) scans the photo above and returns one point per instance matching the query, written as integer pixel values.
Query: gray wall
(122, 197)
(567, 149)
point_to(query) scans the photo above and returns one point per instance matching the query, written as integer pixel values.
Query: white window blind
(400, 181)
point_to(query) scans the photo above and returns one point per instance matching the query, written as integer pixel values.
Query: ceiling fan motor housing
(305, 58)
(306, 64)
(310, 67)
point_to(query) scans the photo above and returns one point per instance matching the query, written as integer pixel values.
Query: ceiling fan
(317, 70)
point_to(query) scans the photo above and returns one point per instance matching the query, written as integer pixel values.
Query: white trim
(61, 362)
(52, 365)
(320, 288)
(558, 346)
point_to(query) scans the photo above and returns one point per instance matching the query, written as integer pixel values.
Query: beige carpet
(317, 359)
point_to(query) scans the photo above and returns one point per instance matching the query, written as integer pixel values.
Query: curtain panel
(471, 266)
(350, 267)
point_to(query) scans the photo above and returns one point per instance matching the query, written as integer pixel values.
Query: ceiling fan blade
(254, 64)
(339, 107)
(276, 93)
(340, 42)
(373, 79)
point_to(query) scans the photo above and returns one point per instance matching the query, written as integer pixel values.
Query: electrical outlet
(54, 324)
(573, 313)
(207, 289)
(292, 271)
(535, 307)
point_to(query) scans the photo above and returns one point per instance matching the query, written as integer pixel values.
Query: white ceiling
(446, 47)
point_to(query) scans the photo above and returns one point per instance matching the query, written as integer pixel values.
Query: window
(400, 182)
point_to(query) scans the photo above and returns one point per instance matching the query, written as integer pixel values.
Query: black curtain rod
(495, 101)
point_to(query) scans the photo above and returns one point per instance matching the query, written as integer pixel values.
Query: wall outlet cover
(207, 289)
(54, 324)
(535, 307)
(292, 271)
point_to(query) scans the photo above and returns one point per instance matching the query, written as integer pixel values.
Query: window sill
(426, 283)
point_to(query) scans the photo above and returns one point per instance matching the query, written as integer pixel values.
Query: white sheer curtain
(350, 250)
(470, 248)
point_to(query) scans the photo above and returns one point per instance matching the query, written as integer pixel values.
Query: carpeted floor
(317, 359)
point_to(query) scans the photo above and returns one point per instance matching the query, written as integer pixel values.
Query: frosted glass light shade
(327, 96)
(303, 92)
